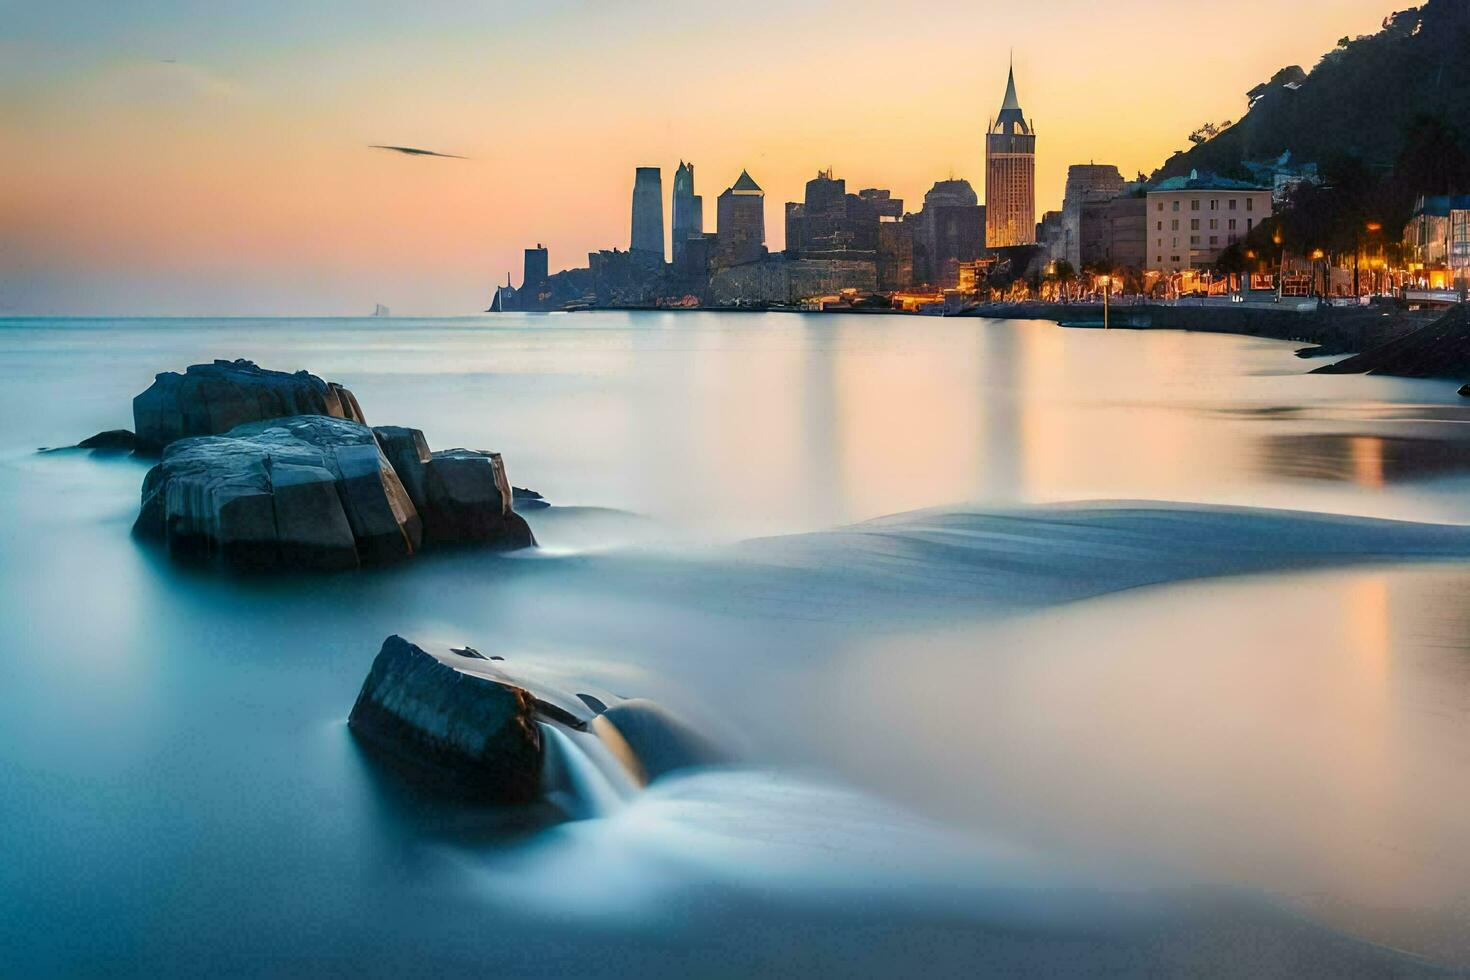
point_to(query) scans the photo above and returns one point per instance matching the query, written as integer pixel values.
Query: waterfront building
(895, 253)
(741, 218)
(1010, 175)
(1191, 220)
(648, 213)
(830, 221)
(1124, 230)
(1087, 184)
(1051, 238)
(688, 211)
(536, 276)
(949, 230)
(786, 280)
(1437, 240)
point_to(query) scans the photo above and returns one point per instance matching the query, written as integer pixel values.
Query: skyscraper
(688, 210)
(741, 213)
(1010, 175)
(648, 213)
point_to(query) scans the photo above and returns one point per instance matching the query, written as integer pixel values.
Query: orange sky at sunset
(166, 163)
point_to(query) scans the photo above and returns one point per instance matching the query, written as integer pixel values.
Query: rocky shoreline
(265, 470)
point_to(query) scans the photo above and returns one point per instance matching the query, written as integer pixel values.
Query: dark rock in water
(1439, 350)
(592, 702)
(463, 495)
(661, 742)
(459, 732)
(316, 492)
(209, 399)
(528, 499)
(301, 492)
(468, 652)
(1465, 391)
(112, 441)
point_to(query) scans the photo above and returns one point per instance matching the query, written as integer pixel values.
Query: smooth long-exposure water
(961, 745)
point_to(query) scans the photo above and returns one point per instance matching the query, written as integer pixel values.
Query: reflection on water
(1368, 460)
(1303, 734)
(174, 758)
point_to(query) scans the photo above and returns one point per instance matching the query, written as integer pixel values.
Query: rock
(528, 499)
(661, 742)
(1465, 391)
(463, 495)
(303, 492)
(209, 399)
(463, 733)
(1439, 350)
(112, 441)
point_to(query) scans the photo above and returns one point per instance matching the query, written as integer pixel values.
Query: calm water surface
(1162, 778)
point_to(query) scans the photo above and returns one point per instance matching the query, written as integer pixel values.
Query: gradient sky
(169, 157)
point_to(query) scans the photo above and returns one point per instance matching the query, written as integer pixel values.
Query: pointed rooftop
(745, 185)
(1011, 119)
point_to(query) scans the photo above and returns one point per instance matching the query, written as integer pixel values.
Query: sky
(197, 158)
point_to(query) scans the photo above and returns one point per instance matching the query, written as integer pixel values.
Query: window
(1250, 204)
(1214, 223)
(1161, 226)
(1194, 205)
(1232, 224)
(1173, 258)
(1161, 205)
(1174, 226)
(1214, 239)
(1159, 259)
(1249, 222)
(1233, 239)
(1193, 240)
(1176, 243)
(1232, 204)
(1176, 205)
(1215, 204)
(1160, 243)
(1194, 224)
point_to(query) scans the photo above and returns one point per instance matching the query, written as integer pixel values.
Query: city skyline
(234, 175)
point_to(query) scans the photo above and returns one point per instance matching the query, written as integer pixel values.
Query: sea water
(1262, 774)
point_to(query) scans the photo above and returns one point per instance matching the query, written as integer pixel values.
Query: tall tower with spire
(688, 209)
(1010, 175)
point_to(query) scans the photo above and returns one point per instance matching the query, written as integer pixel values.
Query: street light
(1106, 282)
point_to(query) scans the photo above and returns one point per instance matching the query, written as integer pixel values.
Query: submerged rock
(209, 399)
(463, 733)
(112, 441)
(661, 742)
(462, 495)
(468, 727)
(301, 492)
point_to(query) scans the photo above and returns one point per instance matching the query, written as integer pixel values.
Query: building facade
(1088, 184)
(1191, 220)
(741, 217)
(688, 211)
(1010, 175)
(1437, 240)
(648, 213)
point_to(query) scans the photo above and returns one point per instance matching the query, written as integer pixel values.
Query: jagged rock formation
(209, 399)
(459, 732)
(314, 492)
(462, 495)
(1439, 350)
(301, 492)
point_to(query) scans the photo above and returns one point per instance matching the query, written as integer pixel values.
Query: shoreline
(1334, 329)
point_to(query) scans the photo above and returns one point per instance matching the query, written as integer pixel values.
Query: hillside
(1358, 101)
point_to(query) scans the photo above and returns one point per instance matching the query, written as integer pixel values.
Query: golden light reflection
(1366, 453)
